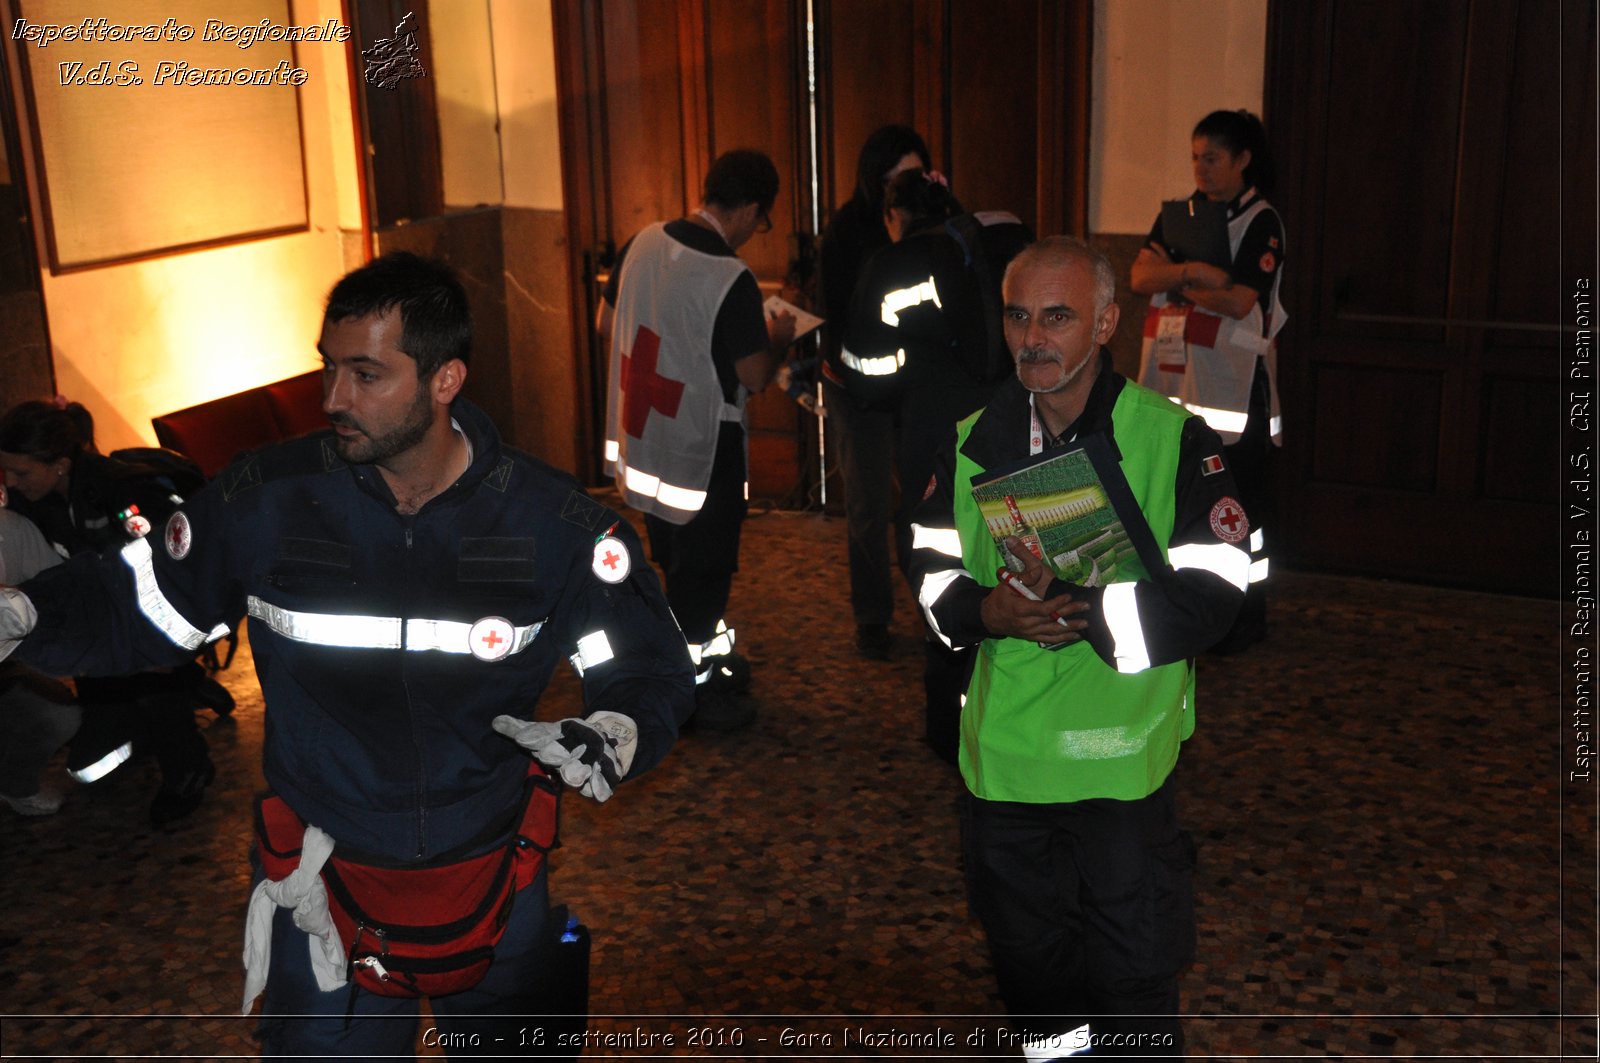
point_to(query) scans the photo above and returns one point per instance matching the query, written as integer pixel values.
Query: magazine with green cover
(1072, 509)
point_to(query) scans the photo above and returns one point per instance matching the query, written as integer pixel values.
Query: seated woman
(83, 502)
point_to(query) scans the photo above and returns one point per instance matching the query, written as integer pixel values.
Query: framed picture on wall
(161, 127)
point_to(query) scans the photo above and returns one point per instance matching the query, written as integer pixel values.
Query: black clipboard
(1196, 230)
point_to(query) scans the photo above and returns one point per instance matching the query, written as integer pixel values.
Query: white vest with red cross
(665, 405)
(1207, 361)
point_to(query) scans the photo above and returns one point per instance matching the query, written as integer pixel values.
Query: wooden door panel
(750, 58)
(865, 80)
(643, 167)
(1519, 454)
(992, 139)
(1423, 188)
(749, 77)
(1416, 537)
(1526, 275)
(1389, 198)
(1376, 428)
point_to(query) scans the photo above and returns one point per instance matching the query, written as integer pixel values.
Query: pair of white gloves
(592, 755)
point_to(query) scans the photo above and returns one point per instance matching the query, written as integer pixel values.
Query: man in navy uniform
(411, 583)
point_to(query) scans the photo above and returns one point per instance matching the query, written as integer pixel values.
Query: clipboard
(1196, 230)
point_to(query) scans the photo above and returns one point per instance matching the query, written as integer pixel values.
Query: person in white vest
(1210, 337)
(689, 342)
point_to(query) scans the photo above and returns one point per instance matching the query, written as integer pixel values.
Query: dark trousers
(1088, 907)
(698, 559)
(298, 1020)
(153, 710)
(927, 421)
(1250, 461)
(864, 440)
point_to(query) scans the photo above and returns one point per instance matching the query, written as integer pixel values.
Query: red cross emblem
(1229, 522)
(491, 638)
(611, 561)
(643, 389)
(178, 536)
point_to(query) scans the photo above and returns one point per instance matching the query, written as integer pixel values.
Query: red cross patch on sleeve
(1229, 522)
(611, 562)
(179, 537)
(1268, 262)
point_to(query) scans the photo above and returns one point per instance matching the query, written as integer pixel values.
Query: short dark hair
(1238, 131)
(435, 320)
(886, 146)
(46, 432)
(742, 176)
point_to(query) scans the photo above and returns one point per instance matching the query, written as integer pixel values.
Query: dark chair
(214, 433)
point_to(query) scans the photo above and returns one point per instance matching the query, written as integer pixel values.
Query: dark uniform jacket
(385, 643)
(101, 488)
(926, 311)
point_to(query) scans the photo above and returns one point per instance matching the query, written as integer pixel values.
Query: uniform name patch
(1229, 522)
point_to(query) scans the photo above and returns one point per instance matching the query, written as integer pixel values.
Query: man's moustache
(1035, 356)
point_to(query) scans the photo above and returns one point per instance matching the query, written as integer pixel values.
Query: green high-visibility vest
(1044, 726)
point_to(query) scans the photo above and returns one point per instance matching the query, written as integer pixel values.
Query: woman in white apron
(1210, 335)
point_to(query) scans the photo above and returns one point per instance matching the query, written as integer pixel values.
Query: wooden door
(1421, 187)
(999, 90)
(652, 90)
(24, 333)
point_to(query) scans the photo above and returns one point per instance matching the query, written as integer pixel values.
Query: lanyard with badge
(1036, 432)
(1172, 353)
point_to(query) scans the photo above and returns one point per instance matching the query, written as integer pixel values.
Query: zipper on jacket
(411, 715)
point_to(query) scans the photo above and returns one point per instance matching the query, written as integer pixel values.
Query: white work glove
(591, 754)
(17, 617)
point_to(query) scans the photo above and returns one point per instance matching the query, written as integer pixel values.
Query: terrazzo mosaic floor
(1389, 866)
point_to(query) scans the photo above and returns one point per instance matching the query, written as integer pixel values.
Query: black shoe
(730, 673)
(872, 641)
(214, 696)
(718, 710)
(178, 798)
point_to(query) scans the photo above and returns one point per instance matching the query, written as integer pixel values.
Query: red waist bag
(417, 930)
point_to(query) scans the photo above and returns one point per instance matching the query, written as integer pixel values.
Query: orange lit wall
(1159, 69)
(142, 338)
